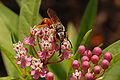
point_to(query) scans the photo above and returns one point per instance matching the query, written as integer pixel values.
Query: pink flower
(24, 61)
(18, 46)
(78, 75)
(51, 38)
(46, 31)
(65, 55)
(30, 40)
(20, 55)
(35, 31)
(38, 71)
(45, 44)
(66, 44)
(36, 64)
(44, 54)
(55, 47)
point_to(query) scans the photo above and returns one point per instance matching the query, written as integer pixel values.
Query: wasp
(55, 23)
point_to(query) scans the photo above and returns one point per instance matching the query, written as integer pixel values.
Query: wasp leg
(60, 49)
(68, 39)
(45, 21)
(42, 26)
(54, 32)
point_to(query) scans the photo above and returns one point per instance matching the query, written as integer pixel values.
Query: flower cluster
(22, 57)
(44, 45)
(88, 59)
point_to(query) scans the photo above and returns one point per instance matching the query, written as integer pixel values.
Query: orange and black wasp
(55, 23)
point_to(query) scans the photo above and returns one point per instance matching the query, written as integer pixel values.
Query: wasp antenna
(70, 43)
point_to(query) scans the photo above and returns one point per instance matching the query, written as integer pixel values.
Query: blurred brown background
(107, 25)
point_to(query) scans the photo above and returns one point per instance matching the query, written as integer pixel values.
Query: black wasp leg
(60, 49)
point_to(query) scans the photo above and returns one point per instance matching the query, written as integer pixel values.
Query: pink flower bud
(81, 49)
(84, 58)
(97, 51)
(88, 53)
(88, 76)
(95, 59)
(85, 65)
(49, 76)
(96, 69)
(75, 64)
(108, 56)
(104, 64)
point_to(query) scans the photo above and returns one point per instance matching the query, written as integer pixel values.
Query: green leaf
(9, 18)
(5, 42)
(112, 73)
(72, 34)
(87, 22)
(19, 2)
(28, 16)
(8, 53)
(86, 37)
(9, 78)
(59, 69)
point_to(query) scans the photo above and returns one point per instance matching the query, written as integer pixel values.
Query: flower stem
(38, 43)
(51, 56)
(55, 62)
(100, 75)
(35, 51)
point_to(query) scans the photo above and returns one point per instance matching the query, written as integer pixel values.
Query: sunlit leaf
(29, 12)
(10, 19)
(5, 41)
(87, 22)
(112, 73)
(86, 37)
(9, 78)
(72, 34)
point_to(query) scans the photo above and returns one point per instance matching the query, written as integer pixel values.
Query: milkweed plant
(36, 53)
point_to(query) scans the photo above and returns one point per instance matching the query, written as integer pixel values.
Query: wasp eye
(57, 36)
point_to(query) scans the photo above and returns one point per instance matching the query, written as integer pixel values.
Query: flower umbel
(86, 70)
(44, 45)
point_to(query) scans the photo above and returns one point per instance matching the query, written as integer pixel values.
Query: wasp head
(61, 36)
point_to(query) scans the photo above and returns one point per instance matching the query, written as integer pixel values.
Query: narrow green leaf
(86, 37)
(9, 78)
(28, 16)
(72, 34)
(9, 18)
(5, 41)
(19, 2)
(87, 22)
(8, 53)
(12, 60)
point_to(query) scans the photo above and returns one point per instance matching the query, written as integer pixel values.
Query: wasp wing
(53, 16)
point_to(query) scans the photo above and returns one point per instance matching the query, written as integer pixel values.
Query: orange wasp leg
(68, 39)
(42, 26)
(54, 32)
(45, 21)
